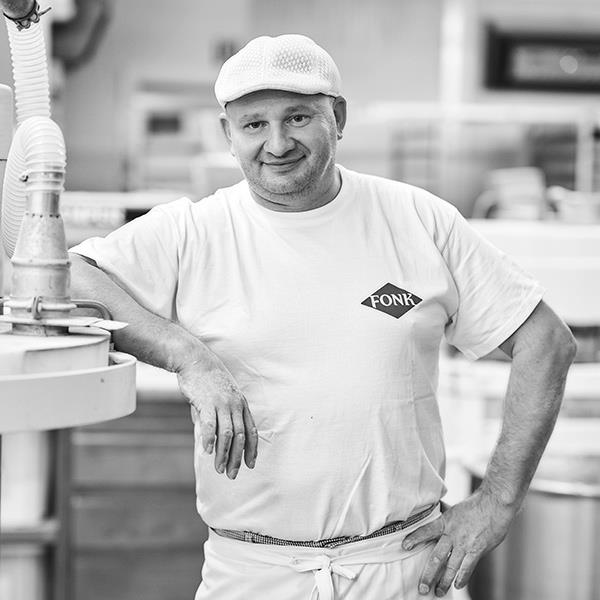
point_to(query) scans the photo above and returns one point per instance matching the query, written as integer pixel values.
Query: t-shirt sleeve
(495, 295)
(142, 257)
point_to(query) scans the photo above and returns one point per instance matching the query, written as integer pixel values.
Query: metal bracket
(99, 306)
(105, 322)
(33, 16)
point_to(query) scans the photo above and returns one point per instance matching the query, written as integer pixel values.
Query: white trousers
(377, 569)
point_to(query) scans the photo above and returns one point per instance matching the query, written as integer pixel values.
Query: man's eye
(254, 126)
(299, 119)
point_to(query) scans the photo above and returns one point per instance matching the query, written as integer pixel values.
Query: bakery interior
(491, 104)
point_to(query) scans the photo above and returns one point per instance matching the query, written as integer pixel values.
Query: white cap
(290, 62)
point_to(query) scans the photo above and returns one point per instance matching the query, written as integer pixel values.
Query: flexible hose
(6, 131)
(30, 71)
(38, 146)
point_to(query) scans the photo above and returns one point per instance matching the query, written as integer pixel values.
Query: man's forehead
(263, 100)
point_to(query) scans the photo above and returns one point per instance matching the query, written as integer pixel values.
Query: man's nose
(278, 141)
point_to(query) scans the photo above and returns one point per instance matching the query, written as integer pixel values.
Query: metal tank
(552, 551)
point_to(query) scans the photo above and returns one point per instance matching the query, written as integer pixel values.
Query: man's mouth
(283, 165)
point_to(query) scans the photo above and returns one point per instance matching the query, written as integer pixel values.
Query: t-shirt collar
(312, 216)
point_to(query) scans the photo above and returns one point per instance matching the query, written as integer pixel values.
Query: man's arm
(204, 380)
(542, 350)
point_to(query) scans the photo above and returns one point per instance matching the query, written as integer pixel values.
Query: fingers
(427, 533)
(448, 575)
(251, 450)
(436, 564)
(221, 410)
(466, 569)
(237, 444)
(237, 436)
(208, 428)
(446, 564)
(224, 437)
(466, 531)
(449, 562)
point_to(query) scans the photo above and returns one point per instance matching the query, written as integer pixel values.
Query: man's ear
(340, 112)
(226, 130)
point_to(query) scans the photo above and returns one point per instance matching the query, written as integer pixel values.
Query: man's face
(285, 144)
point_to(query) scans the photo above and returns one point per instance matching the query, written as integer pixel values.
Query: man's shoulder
(358, 178)
(208, 206)
(399, 194)
(232, 193)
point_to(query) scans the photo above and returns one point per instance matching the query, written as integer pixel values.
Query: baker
(303, 310)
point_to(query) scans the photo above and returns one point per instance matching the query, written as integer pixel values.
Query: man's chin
(288, 197)
(284, 185)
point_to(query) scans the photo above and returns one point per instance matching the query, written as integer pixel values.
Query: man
(302, 311)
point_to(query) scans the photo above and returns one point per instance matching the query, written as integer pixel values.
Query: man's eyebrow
(298, 107)
(256, 116)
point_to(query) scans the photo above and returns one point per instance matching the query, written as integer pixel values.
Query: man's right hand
(222, 410)
(223, 413)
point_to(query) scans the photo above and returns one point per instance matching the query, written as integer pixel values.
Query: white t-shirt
(330, 320)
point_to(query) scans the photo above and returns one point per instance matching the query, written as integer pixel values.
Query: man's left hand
(464, 533)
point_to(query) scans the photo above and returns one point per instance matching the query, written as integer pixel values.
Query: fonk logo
(392, 300)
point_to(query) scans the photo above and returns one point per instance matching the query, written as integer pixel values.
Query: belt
(324, 565)
(259, 538)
